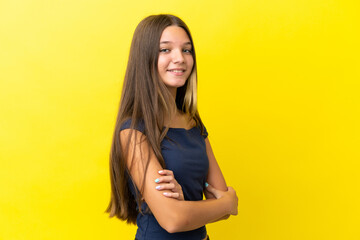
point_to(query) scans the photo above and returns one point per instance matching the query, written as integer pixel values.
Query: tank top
(184, 152)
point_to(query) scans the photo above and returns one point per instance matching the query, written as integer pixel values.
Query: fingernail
(158, 187)
(157, 180)
(206, 184)
(166, 194)
(160, 171)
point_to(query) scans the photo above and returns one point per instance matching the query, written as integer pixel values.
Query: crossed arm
(174, 215)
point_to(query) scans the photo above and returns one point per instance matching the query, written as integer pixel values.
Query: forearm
(209, 195)
(222, 218)
(191, 215)
(173, 215)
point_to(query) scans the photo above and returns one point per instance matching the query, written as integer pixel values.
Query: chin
(175, 84)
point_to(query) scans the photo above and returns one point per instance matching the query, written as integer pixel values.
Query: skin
(175, 53)
(173, 214)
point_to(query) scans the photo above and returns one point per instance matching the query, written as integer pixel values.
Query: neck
(173, 91)
(173, 111)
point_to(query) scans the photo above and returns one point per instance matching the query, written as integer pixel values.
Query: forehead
(174, 34)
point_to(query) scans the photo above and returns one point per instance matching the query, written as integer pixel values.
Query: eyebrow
(166, 42)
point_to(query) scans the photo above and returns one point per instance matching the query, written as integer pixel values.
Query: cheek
(162, 63)
(190, 62)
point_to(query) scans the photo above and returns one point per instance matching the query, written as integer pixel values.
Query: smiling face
(175, 60)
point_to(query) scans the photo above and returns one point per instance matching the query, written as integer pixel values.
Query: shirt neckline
(181, 129)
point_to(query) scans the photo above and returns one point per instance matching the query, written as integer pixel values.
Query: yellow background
(278, 92)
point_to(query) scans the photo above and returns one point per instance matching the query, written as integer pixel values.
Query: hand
(229, 195)
(167, 181)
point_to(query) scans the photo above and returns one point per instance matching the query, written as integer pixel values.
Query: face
(175, 61)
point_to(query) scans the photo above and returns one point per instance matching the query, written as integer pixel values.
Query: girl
(161, 161)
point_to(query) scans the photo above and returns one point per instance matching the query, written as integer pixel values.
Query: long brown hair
(146, 101)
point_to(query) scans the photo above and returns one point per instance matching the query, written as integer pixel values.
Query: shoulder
(133, 124)
(200, 125)
(204, 133)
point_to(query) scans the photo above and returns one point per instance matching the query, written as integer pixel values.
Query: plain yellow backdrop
(278, 92)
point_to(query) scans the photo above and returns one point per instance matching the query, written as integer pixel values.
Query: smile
(176, 70)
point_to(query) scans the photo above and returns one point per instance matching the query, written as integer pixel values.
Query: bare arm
(172, 215)
(215, 177)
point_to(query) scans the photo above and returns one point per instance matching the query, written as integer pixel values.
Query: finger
(166, 172)
(214, 191)
(169, 186)
(171, 195)
(164, 179)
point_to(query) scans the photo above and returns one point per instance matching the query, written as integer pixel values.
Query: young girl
(161, 161)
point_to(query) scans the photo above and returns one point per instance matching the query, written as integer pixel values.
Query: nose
(177, 56)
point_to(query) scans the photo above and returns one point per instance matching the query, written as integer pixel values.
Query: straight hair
(146, 101)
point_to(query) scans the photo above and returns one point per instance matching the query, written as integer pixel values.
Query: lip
(176, 73)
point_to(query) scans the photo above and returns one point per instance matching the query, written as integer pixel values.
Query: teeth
(177, 71)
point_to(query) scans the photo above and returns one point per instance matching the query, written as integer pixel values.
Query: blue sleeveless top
(184, 152)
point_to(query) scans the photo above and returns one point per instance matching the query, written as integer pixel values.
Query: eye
(187, 51)
(165, 50)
